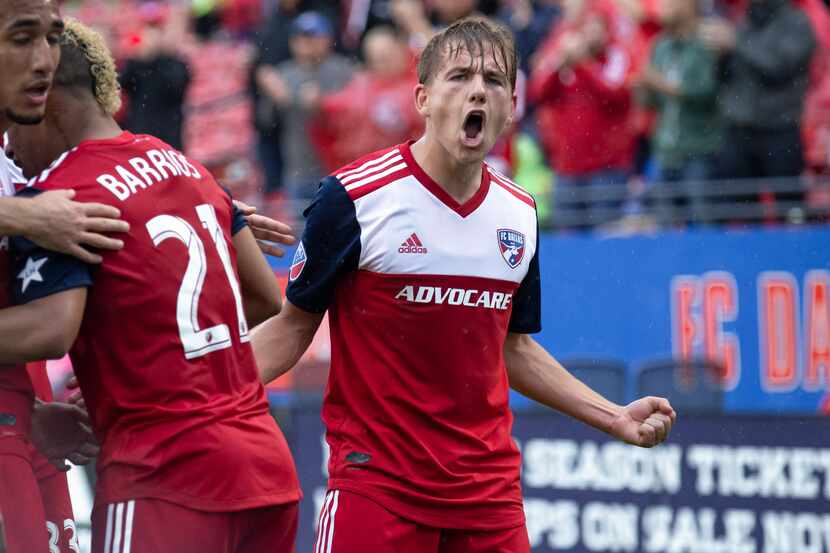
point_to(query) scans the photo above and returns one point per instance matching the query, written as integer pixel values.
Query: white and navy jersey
(10, 174)
(421, 293)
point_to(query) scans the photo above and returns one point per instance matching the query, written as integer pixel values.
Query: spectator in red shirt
(375, 110)
(815, 123)
(580, 84)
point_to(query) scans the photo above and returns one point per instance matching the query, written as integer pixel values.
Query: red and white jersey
(16, 394)
(162, 356)
(421, 293)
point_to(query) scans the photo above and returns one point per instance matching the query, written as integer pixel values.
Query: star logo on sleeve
(31, 272)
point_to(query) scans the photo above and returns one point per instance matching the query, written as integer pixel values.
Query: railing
(745, 201)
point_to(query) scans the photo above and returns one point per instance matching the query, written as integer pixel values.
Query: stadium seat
(605, 376)
(690, 385)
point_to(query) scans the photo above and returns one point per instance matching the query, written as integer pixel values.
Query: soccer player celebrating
(191, 459)
(426, 260)
(29, 32)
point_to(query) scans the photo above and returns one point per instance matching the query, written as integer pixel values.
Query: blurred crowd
(616, 97)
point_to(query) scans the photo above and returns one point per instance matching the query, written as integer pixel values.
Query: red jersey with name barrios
(163, 355)
(421, 293)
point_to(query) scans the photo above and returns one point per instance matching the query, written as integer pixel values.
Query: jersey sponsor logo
(511, 246)
(455, 296)
(4, 244)
(412, 244)
(31, 272)
(298, 263)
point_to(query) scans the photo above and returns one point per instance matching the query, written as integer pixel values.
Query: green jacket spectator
(688, 124)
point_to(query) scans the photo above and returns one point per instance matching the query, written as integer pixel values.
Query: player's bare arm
(54, 221)
(267, 231)
(27, 338)
(280, 341)
(261, 295)
(535, 373)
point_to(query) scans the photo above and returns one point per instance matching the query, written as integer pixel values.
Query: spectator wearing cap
(156, 79)
(296, 88)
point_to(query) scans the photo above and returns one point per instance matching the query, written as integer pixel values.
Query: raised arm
(261, 295)
(534, 373)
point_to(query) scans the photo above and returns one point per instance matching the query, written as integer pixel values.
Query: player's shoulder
(63, 172)
(372, 172)
(78, 167)
(508, 185)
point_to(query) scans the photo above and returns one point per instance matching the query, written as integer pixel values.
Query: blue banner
(729, 484)
(756, 300)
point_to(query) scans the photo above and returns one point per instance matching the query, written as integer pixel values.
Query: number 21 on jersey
(199, 341)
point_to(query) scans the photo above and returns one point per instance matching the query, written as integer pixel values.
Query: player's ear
(422, 99)
(513, 102)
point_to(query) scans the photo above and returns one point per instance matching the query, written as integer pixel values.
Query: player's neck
(88, 123)
(460, 180)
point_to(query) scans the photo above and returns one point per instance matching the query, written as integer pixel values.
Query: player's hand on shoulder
(61, 431)
(58, 223)
(645, 422)
(266, 230)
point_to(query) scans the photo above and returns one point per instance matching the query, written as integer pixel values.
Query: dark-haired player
(426, 260)
(191, 460)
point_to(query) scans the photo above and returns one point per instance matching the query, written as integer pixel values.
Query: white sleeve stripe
(376, 176)
(506, 182)
(369, 163)
(371, 170)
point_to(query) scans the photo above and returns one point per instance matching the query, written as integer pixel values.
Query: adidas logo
(412, 245)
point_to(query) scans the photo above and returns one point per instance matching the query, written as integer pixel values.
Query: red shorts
(157, 526)
(57, 505)
(24, 521)
(350, 523)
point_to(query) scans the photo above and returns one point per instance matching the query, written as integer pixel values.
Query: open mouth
(474, 125)
(37, 92)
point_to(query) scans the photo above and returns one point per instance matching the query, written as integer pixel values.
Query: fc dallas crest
(512, 246)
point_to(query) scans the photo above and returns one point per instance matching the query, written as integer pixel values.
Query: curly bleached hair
(87, 63)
